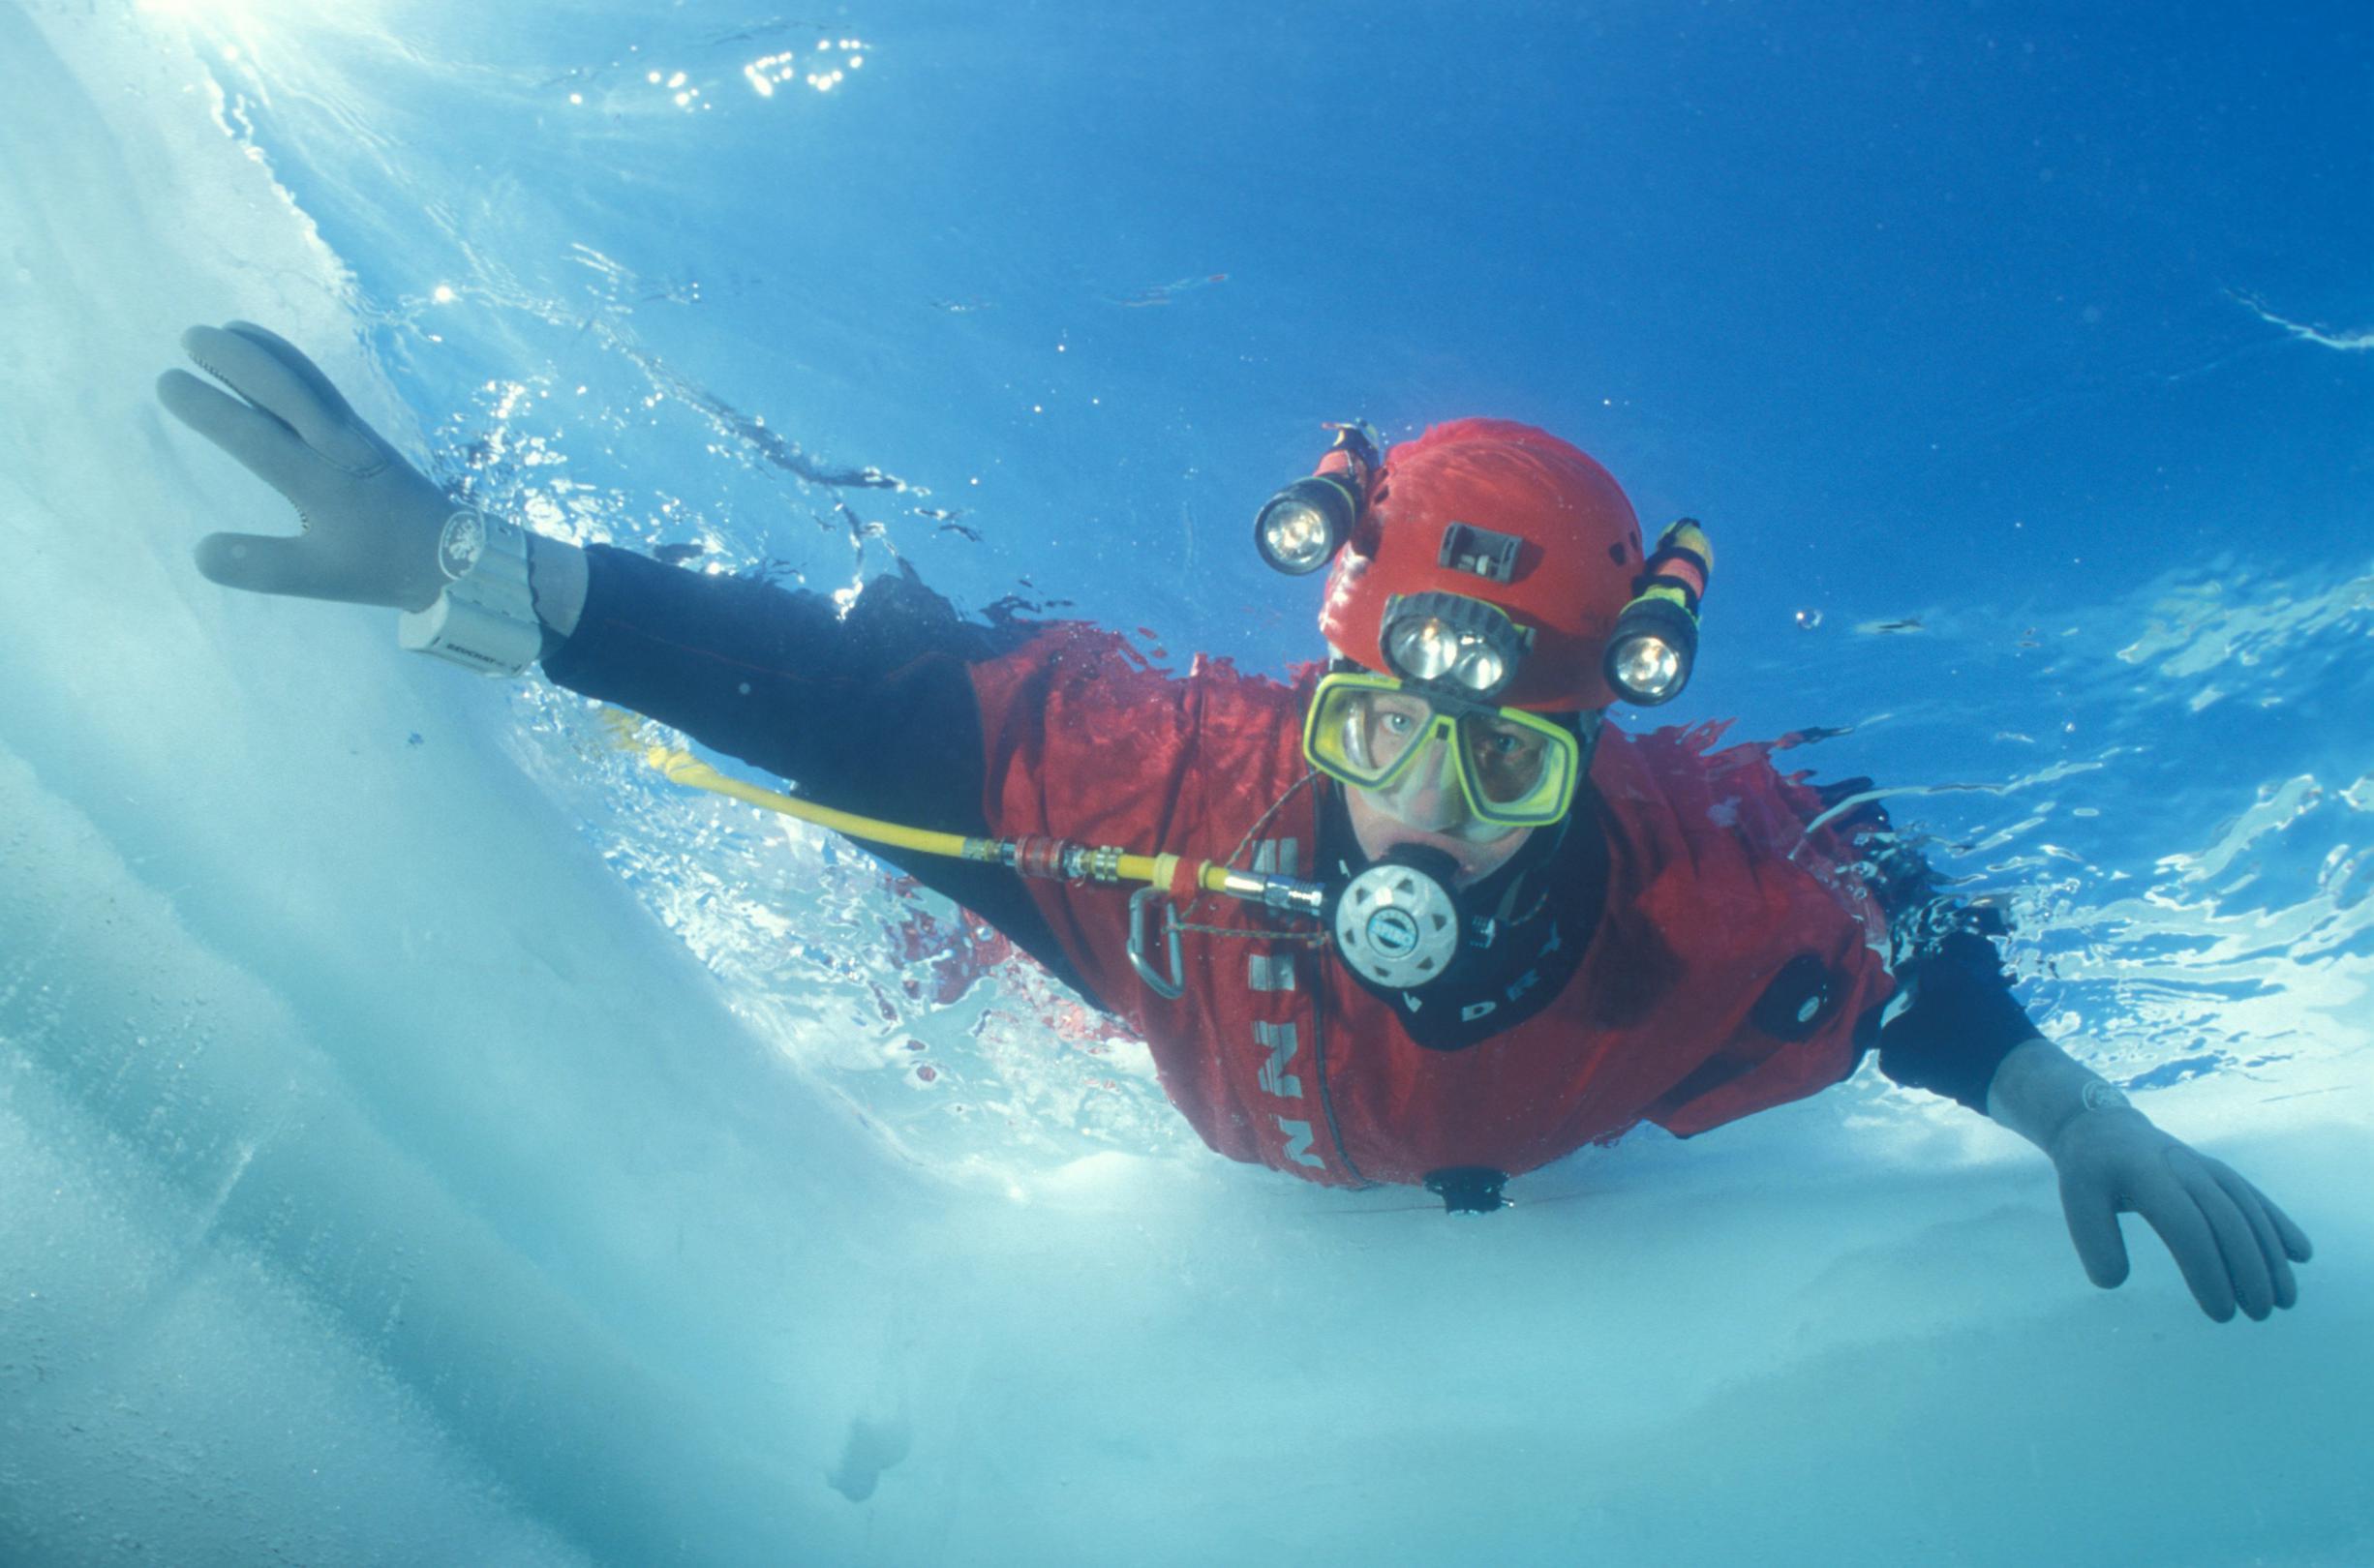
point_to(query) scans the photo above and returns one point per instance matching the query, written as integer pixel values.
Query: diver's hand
(2234, 1246)
(373, 526)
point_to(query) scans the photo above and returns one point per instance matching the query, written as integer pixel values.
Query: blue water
(423, 1137)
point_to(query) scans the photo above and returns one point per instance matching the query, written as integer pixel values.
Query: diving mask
(1514, 769)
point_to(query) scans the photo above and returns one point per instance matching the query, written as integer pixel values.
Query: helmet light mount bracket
(1362, 448)
(1479, 552)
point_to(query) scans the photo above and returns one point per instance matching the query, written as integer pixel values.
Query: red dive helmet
(1492, 510)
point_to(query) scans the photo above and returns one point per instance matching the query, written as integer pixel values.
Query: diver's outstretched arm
(869, 705)
(2234, 1246)
(1961, 1033)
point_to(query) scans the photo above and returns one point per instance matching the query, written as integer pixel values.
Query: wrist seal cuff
(485, 620)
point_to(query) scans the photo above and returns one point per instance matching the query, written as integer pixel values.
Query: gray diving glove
(2232, 1244)
(373, 524)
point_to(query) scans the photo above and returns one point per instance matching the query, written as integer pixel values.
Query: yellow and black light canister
(1656, 638)
(1300, 529)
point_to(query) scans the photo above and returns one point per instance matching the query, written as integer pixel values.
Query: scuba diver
(1419, 914)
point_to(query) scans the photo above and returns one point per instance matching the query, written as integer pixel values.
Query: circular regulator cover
(1397, 924)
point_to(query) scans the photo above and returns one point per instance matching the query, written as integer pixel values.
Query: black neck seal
(1508, 945)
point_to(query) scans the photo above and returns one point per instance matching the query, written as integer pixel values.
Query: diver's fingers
(324, 390)
(264, 446)
(256, 371)
(2093, 1226)
(2170, 1208)
(2247, 1267)
(2261, 1215)
(2296, 1243)
(260, 564)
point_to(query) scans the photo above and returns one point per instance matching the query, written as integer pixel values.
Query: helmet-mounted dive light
(1300, 529)
(1656, 639)
(1453, 645)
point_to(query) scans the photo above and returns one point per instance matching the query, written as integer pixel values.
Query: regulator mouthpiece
(1656, 639)
(1398, 922)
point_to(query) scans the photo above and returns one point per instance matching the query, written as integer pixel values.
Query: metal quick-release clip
(1167, 986)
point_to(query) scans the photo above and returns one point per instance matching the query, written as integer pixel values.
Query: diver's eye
(1506, 744)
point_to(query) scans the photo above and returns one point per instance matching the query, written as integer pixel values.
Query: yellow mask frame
(1514, 769)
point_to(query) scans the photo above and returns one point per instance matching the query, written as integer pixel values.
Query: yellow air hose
(1030, 856)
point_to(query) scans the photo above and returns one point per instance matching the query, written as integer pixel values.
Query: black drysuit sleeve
(1961, 1022)
(868, 710)
(1958, 1019)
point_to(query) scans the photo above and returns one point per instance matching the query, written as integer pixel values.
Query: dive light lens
(1648, 657)
(1428, 649)
(1423, 648)
(1294, 537)
(1646, 669)
(1303, 525)
(1481, 670)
